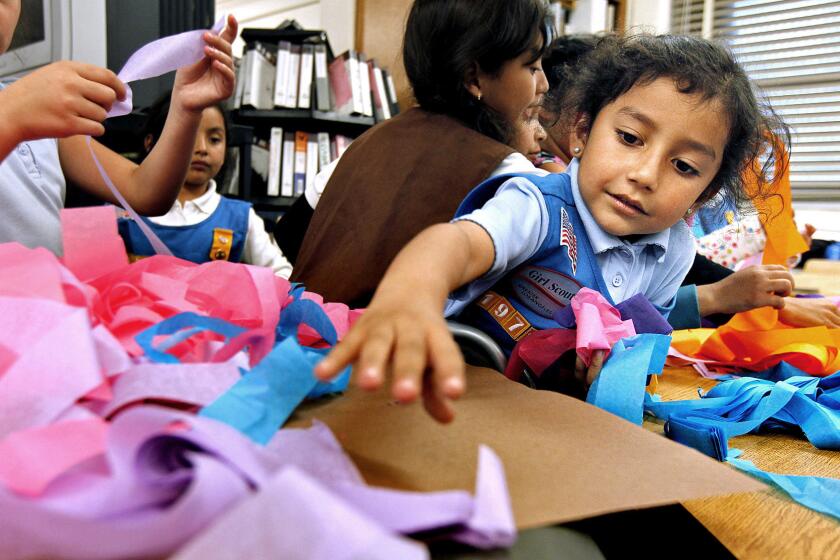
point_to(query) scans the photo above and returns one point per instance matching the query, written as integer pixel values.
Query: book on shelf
(381, 103)
(324, 157)
(392, 91)
(311, 160)
(243, 70)
(275, 154)
(301, 139)
(259, 160)
(284, 164)
(345, 84)
(305, 80)
(287, 171)
(341, 144)
(294, 76)
(365, 86)
(235, 100)
(281, 76)
(322, 81)
(258, 90)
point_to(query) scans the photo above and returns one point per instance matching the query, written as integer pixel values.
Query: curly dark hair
(697, 66)
(445, 39)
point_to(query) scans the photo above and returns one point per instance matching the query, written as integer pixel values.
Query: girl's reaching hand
(211, 79)
(409, 339)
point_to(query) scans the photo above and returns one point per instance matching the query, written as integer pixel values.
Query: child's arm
(260, 249)
(404, 330)
(152, 186)
(59, 100)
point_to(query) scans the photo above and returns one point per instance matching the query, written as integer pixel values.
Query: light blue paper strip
(818, 493)
(741, 405)
(181, 327)
(744, 405)
(261, 402)
(620, 387)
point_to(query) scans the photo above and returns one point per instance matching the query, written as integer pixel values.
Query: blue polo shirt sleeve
(675, 264)
(516, 219)
(686, 312)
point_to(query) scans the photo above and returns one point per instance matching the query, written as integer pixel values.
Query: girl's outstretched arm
(403, 331)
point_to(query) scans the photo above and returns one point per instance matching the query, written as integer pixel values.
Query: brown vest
(398, 178)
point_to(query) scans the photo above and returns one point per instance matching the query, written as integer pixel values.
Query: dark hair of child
(445, 40)
(562, 54)
(697, 66)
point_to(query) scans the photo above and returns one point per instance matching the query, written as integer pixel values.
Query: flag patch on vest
(542, 290)
(505, 314)
(567, 238)
(222, 244)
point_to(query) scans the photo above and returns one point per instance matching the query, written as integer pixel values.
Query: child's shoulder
(551, 185)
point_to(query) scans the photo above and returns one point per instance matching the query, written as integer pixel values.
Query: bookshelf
(266, 103)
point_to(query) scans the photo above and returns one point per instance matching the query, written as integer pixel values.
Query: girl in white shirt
(202, 225)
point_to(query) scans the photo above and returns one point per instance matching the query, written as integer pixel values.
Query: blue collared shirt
(517, 221)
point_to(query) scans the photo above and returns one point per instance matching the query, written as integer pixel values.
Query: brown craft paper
(565, 460)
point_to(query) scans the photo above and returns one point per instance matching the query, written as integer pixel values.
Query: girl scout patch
(222, 244)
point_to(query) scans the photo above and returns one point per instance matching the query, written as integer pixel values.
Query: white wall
(589, 16)
(336, 17)
(649, 15)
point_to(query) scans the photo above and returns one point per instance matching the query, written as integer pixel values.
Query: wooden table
(763, 524)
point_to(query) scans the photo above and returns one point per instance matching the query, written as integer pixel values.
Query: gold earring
(478, 97)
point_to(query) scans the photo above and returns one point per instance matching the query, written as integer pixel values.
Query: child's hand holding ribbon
(59, 100)
(211, 79)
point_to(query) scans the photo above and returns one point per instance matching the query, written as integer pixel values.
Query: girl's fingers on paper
(409, 362)
(339, 357)
(217, 43)
(231, 29)
(226, 72)
(374, 353)
(833, 320)
(595, 366)
(776, 301)
(448, 370)
(90, 111)
(436, 404)
(580, 369)
(781, 287)
(101, 95)
(102, 76)
(86, 127)
(215, 54)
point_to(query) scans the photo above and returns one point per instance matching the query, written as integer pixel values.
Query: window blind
(791, 50)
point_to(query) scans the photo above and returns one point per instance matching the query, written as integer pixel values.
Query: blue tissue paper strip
(620, 387)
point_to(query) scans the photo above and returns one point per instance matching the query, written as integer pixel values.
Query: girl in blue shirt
(665, 122)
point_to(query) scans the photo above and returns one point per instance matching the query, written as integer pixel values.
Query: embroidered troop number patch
(512, 321)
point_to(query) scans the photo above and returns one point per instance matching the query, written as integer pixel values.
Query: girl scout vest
(528, 296)
(398, 178)
(220, 237)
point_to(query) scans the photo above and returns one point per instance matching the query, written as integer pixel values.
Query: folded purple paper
(167, 475)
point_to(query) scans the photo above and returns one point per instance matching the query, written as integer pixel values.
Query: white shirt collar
(205, 203)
